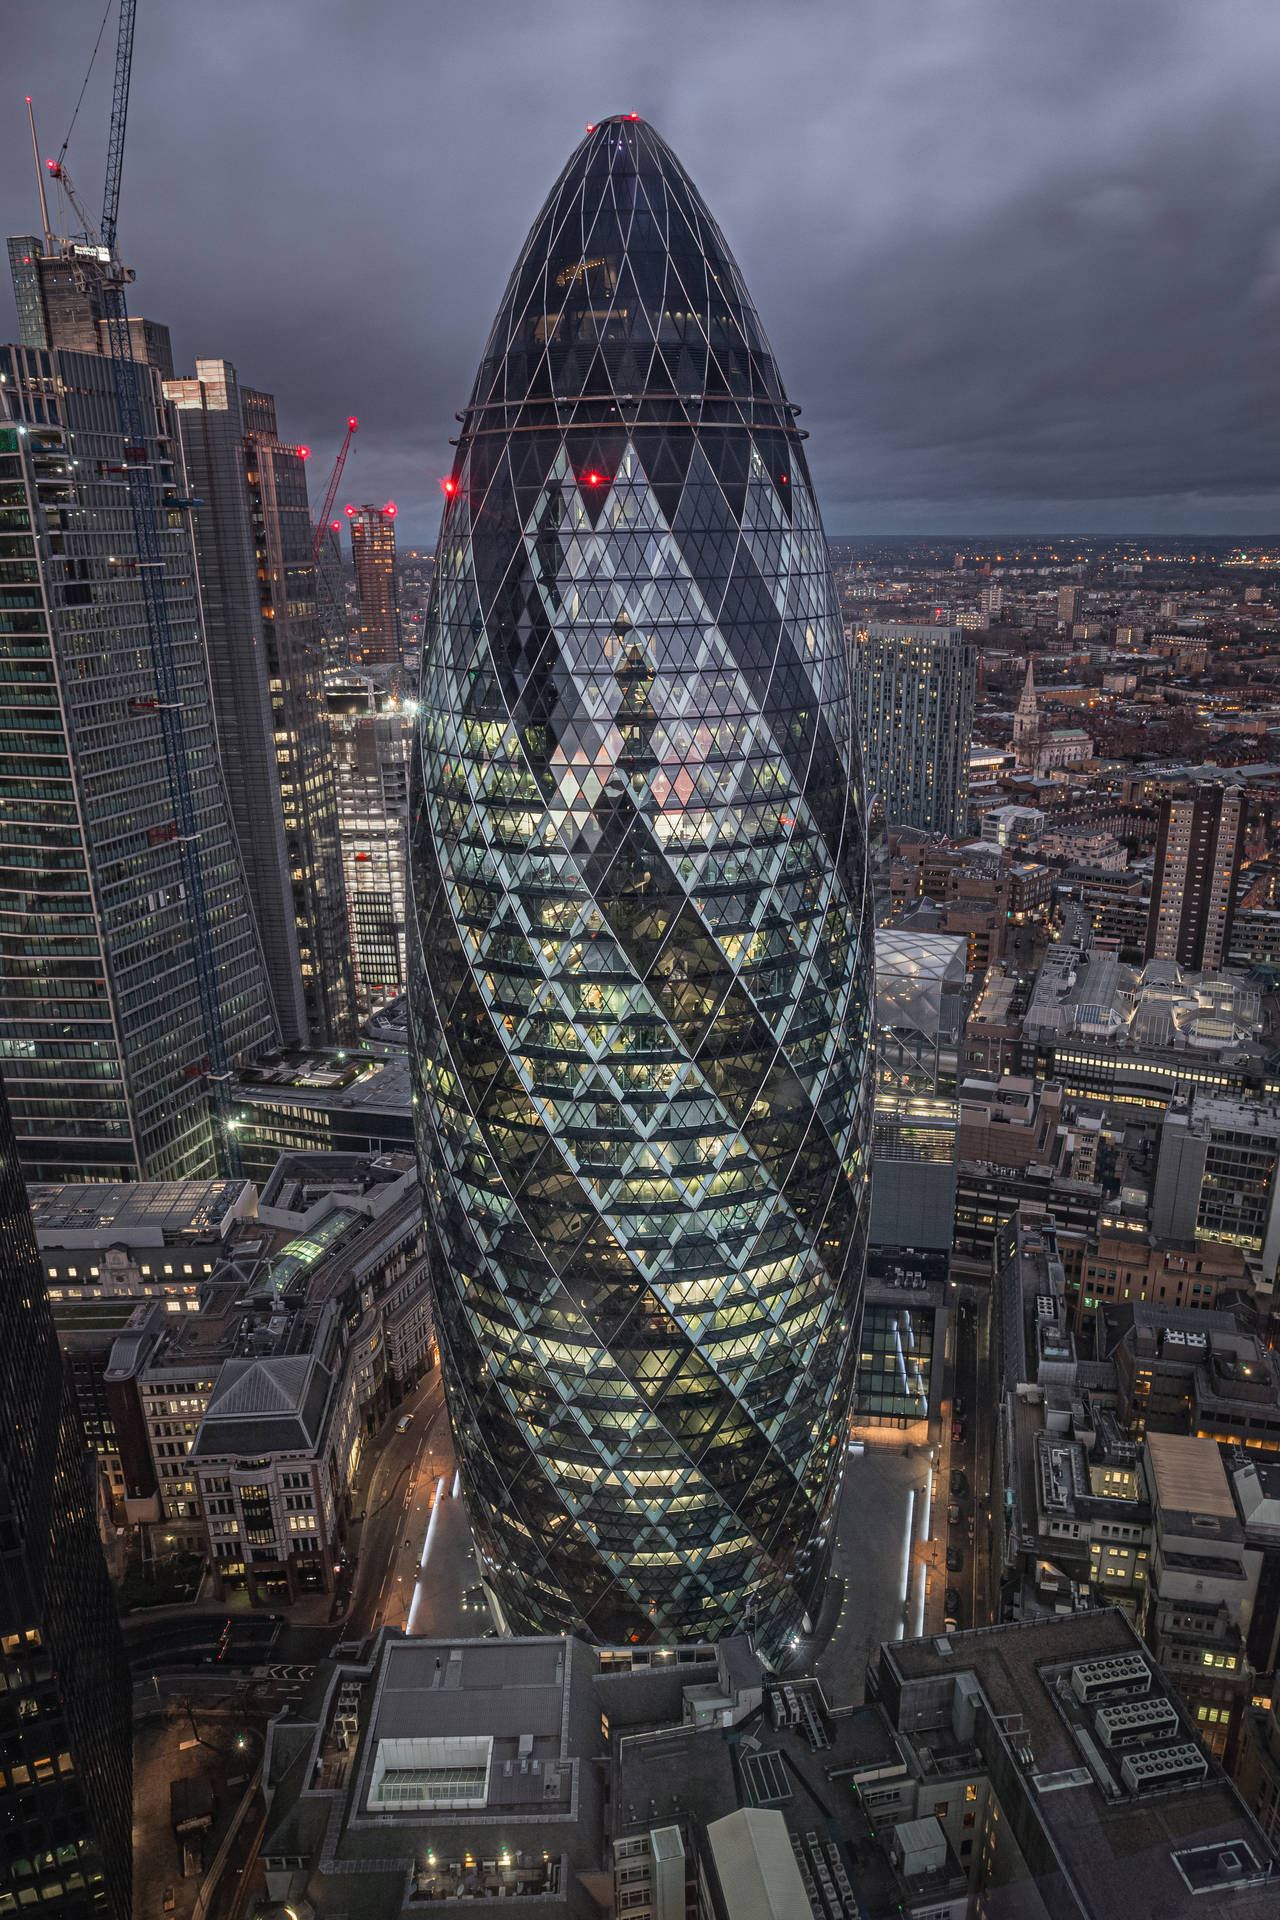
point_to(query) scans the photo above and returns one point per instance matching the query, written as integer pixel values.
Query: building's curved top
(626, 288)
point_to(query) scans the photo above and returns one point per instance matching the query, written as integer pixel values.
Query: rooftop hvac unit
(1119, 1673)
(1154, 1767)
(1125, 1722)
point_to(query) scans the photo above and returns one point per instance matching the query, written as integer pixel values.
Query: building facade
(253, 546)
(276, 476)
(66, 1719)
(914, 690)
(920, 1007)
(373, 554)
(640, 952)
(103, 1046)
(370, 736)
(1193, 895)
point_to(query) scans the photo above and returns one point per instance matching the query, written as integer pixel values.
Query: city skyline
(1076, 217)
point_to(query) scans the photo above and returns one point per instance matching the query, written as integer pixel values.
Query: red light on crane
(352, 423)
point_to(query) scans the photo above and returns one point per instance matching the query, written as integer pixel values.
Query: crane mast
(322, 524)
(145, 514)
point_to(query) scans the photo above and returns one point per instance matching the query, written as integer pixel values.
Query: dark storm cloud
(1020, 259)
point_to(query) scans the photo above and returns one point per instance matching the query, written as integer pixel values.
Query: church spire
(1027, 700)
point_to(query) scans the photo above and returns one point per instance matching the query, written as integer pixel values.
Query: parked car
(959, 1485)
(957, 1429)
(953, 1514)
(955, 1559)
(957, 1407)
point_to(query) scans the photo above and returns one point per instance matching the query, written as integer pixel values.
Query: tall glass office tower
(103, 1048)
(640, 947)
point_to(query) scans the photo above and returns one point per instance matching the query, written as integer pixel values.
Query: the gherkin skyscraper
(641, 947)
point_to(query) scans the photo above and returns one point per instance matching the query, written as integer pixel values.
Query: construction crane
(326, 553)
(322, 524)
(145, 513)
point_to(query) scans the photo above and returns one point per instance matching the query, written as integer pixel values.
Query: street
(414, 1544)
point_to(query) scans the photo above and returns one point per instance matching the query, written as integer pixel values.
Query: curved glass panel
(641, 957)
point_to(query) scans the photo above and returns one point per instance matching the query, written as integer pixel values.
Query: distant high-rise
(373, 552)
(370, 738)
(66, 1719)
(103, 1041)
(1069, 599)
(1199, 845)
(257, 582)
(914, 692)
(640, 951)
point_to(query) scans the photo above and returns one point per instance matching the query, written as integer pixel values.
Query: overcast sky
(1019, 259)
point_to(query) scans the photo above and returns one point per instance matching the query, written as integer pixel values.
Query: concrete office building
(1193, 896)
(914, 689)
(252, 534)
(103, 1044)
(373, 554)
(1216, 1176)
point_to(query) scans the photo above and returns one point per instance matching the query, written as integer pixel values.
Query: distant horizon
(1110, 539)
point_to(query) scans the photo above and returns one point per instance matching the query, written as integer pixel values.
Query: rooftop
(1189, 1475)
(1121, 1838)
(142, 1213)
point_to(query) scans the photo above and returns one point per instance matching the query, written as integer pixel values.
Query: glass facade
(66, 1719)
(370, 740)
(639, 948)
(103, 1047)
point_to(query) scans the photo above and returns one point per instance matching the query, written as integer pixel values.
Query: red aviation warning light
(337, 526)
(595, 479)
(351, 513)
(352, 423)
(390, 509)
(304, 453)
(450, 486)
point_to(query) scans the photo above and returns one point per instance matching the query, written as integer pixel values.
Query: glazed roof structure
(626, 305)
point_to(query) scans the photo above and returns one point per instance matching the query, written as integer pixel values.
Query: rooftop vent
(1155, 1767)
(1126, 1722)
(1119, 1673)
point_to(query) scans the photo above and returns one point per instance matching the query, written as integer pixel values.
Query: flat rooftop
(381, 1085)
(1116, 1855)
(1189, 1475)
(143, 1213)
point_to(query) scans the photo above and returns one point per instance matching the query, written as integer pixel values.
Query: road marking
(426, 1550)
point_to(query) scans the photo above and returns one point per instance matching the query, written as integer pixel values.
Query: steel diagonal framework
(642, 955)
